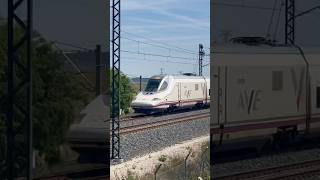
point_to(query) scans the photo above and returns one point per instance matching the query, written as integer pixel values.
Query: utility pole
(19, 60)
(140, 82)
(98, 70)
(115, 115)
(201, 55)
(290, 22)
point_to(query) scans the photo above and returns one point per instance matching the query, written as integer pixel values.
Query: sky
(252, 18)
(173, 28)
(170, 28)
(79, 22)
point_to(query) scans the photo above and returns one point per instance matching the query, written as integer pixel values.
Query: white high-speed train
(264, 92)
(170, 92)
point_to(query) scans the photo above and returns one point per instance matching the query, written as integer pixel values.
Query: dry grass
(144, 167)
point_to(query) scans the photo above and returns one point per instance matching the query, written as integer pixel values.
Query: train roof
(239, 54)
(187, 77)
(263, 49)
(179, 76)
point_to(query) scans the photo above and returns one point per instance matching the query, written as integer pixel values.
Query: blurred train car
(264, 91)
(171, 92)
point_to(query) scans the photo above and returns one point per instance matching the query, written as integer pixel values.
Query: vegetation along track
(293, 171)
(165, 122)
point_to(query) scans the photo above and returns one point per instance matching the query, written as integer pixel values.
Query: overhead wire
(195, 64)
(254, 7)
(128, 51)
(75, 67)
(308, 11)
(194, 59)
(176, 48)
(278, 21)
(206, 65)
(155, 45)
(156, 60)
(271, 18)
(244, 6)
(159, 42)
(72, 45)
(158, 55)
(222, 3)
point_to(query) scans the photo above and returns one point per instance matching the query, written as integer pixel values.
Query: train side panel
(191, 93)
(187, 92)
(174, 96)
(257, 94)
(314, 68)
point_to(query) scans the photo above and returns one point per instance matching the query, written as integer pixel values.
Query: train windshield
(152, 85)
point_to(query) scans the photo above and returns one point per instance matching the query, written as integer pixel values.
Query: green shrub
(56, 94)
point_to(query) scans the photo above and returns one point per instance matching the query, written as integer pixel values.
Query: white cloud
(175, 22)
(166, 8)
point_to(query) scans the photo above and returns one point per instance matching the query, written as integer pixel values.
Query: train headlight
(156, 99)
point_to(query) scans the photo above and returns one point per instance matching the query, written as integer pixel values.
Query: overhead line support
(19, 88)
(290, 20)
(115, 115)
(201, 55)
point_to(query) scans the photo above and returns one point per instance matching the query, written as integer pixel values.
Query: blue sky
(241, 20)
(177, 23)
(182, 23)
(169, 28)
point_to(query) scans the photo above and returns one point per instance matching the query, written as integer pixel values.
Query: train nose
(145, 103)
(142, 103)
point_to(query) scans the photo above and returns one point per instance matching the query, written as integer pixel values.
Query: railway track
(101, 144)
(93, 173)
(293, 171)
(131, 117)
(139, 115)
(166, 122)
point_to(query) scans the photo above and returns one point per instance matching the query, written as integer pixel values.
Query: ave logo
(249, 100)
(187, 93)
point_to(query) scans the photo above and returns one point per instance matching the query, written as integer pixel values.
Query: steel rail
(137, 116)
(79, 143)
(142, 117)
(157, 124)
(301, 169)
(81, 173)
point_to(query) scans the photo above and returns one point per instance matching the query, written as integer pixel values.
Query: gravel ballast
(156, 118)
(140, 143)
(264, 162)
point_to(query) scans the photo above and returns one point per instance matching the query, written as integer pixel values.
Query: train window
(164, 86)
(152, 85)
(277, 80)
(209, 92)
(318, 97)
(196, 87)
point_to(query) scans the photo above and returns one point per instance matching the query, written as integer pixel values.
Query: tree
(56, 94)
(127, 92)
